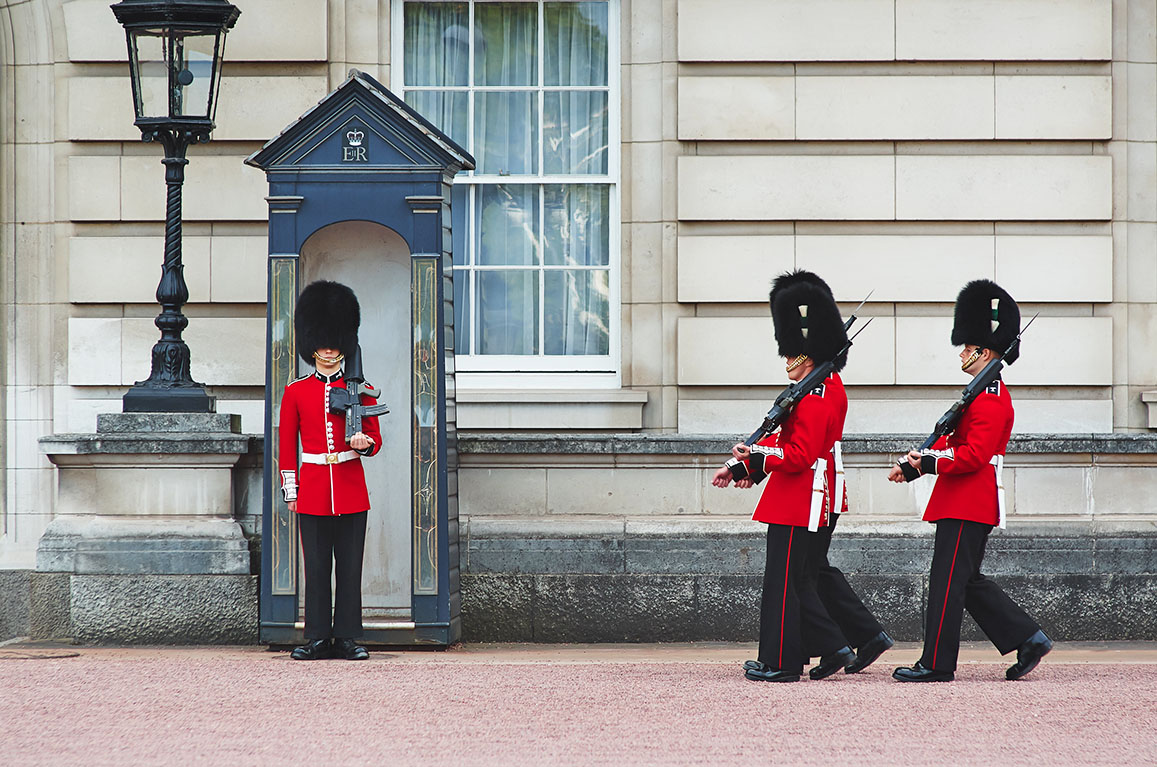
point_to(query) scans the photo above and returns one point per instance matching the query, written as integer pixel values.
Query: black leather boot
(349, 649)
(765, 673)
(1028, 655)
(918, 673)
(315, 649)
(869, 652)
(830, 664)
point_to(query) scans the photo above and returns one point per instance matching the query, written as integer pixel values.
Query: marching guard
(328, 492)
(803, 495)
(822, 580)
(968, 498)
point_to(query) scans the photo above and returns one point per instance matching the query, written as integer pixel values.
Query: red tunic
(338, 488)
(800, 489)
(966, 482)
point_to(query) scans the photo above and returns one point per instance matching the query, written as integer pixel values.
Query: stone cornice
(141, 443)
(699, 444)
(711, 444)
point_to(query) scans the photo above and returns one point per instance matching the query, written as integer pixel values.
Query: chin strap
(328, 360)
(971, 358)
(796, 362)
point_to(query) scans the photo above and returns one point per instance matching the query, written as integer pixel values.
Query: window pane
(437, 44)
(462, 313)
(507, 312)
(574, 128)
(577, 231)
(534, 275)
(576, 44)
(505, 125)
(460, 201)
(506, 44)
(577, 313)
(149, 51)
(195, 54)
(446, 109)
(508, 227)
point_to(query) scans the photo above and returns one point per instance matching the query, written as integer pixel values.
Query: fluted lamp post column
(175, 50)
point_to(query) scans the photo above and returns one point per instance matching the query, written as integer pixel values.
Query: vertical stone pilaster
(30, 315)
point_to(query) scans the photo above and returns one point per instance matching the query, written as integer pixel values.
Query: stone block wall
(652, 552)
(128, 608)
(678, 585)
(917, 145)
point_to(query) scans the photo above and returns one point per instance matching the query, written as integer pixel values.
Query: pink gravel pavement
(572, 705)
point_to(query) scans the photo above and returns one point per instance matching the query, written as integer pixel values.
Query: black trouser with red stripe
(780, 645)
(956, 584)
(326, 541)
(853, 624)
(821, 634)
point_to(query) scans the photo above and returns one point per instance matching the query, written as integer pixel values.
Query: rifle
(349, 401)
(791, 396)
(947, 423)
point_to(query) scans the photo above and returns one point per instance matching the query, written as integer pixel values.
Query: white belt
(838, 502)
(819, 479)
(322, 459)
(998, 462)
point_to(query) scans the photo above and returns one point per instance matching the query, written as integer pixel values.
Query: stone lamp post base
(144, 547)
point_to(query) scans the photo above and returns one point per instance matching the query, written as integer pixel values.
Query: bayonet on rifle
(852, 318)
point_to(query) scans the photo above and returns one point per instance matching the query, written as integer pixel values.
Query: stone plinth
(144, 547)
(1150, 400)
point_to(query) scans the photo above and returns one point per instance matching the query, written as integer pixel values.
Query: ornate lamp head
(175, 49)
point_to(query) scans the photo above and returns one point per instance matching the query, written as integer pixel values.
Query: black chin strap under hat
(986, 316)
(807, 320)
(327, 315)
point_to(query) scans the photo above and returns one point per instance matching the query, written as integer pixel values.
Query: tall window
(526, 87)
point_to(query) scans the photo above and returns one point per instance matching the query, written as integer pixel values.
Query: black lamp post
(175, 51)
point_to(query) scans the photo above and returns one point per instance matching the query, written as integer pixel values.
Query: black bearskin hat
(807, 320)
(986, 316)
(327, 316)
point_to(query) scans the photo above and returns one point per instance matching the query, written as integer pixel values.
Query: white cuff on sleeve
(289, 485)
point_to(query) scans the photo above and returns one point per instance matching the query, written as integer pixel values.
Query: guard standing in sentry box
(966, 455)
(328, 492)
(805, 489)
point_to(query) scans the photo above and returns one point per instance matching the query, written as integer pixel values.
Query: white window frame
(484, 371)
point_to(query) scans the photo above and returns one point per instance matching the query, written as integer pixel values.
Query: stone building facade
(900, 147)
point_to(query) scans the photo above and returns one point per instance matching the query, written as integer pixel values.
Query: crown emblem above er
(355, 137)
